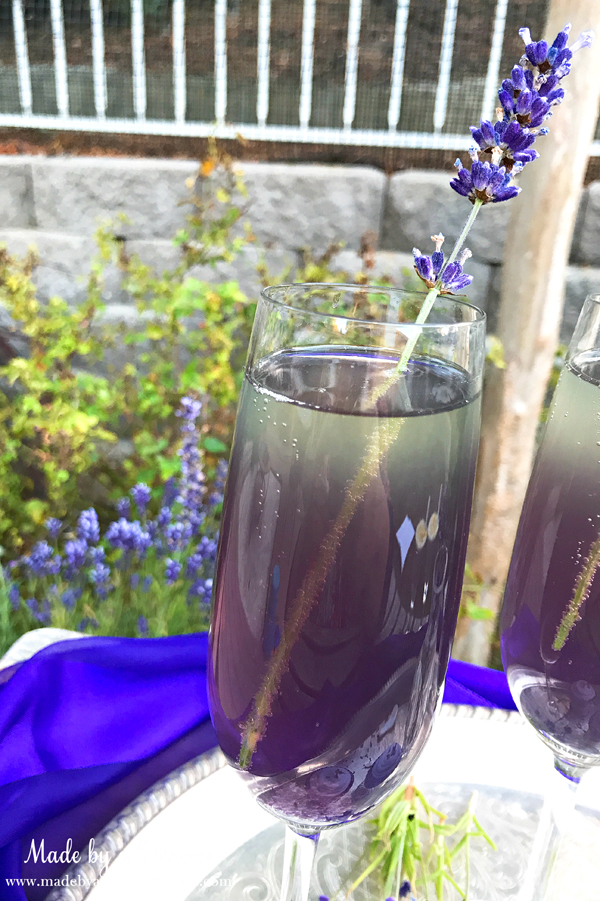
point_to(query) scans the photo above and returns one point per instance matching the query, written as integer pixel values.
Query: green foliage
(470, 600)
(414, 841)
(494, 352)
(60, 406)
(559, 362)
(8, 632)
(51, 412)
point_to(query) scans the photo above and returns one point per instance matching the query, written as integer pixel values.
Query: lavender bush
(148, 575)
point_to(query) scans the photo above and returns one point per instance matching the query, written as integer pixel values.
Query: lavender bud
(53, 526)
(172, 570)
(88, 528)
(141, 495)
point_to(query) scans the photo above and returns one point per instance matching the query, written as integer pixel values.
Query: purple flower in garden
(146, 583)
(164, 517)
(88, 528)
(53, 566)
(14, 596)
(195, 520)
(208, 547)
(177, 534)
(45, 614)
(192, 481)
(100, 573)
(100, 578)
(190, 411)
(123, 507)
(53, 527)
(141, 495)
(39, 558)
(134, 581)
(128, 536)
(170, 493)
(86, 622)
(216, 496)
(201, 589)
(431, 270)
(41, 612)
(97, 554)
(193, 564)
(143, 626)
(75, 553)
(172, 570)
(69, 598)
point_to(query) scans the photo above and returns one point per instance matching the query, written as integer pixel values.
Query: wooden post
(531, 304)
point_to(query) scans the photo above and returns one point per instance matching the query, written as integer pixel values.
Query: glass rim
(479, 318)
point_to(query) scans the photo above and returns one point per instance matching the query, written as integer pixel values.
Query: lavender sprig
(502, 149)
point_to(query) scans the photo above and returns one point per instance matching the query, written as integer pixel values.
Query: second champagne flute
(550, 620)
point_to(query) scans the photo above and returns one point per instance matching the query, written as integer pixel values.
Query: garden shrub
(59, 406)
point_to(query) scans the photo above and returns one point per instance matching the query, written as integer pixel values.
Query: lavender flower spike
(141, 495)
(87, 526)
(14, 596)
(526, 99)
(53, 526)
(172, 570)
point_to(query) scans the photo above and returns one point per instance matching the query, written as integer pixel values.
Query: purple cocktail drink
(551, 616)
(339, 573)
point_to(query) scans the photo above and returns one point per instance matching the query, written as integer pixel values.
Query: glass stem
(555, 817)
(298, 859)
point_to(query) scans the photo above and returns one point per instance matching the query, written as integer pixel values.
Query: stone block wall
(56, 203)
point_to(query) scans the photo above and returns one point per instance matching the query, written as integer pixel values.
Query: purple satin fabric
(86, 726)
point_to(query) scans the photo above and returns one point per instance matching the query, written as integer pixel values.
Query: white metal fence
(222, 126)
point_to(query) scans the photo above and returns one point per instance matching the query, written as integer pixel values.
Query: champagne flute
(550, 620)
(342, 549)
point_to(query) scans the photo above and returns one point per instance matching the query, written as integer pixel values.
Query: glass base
(568, 761)
(510, 817)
